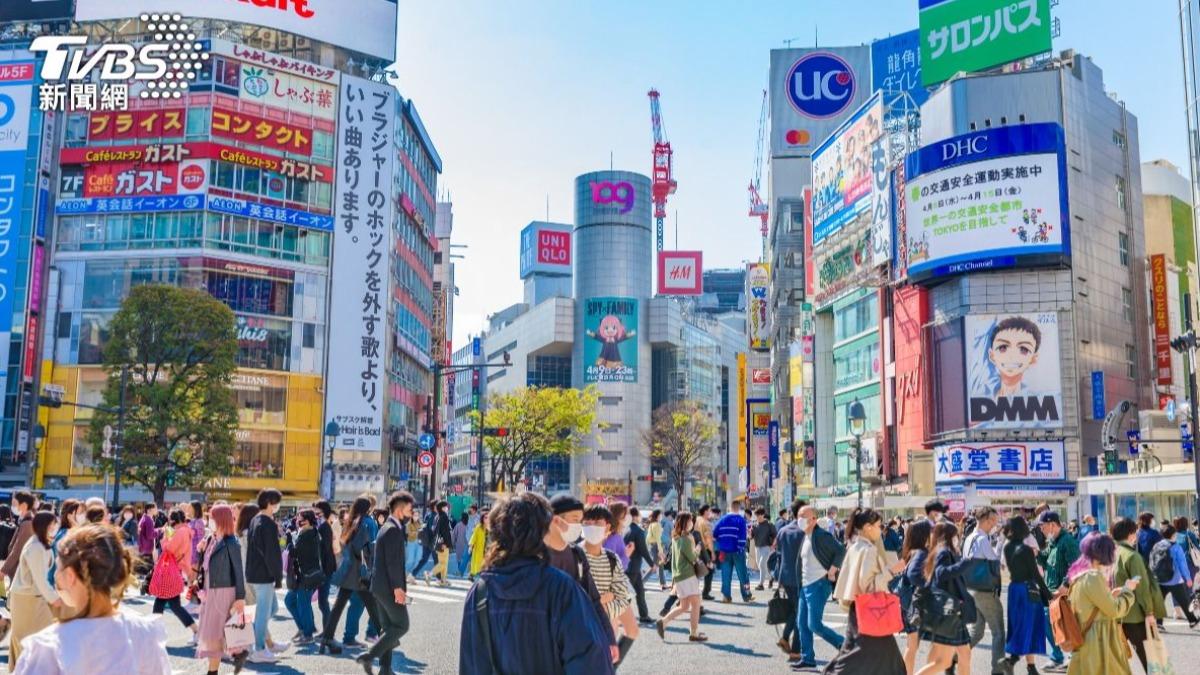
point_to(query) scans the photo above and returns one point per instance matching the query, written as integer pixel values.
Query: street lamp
(332, 431)
(858, 426)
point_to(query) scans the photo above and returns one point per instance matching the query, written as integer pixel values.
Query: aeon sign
(821, 85)
(607, 192)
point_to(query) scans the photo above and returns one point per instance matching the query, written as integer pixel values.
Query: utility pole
(1193, 405)
(119, 450)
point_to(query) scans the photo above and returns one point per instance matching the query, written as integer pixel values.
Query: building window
(1123, 248)
(1121, 192)
(1130, 361)
(1127, 304)
(1118, 139)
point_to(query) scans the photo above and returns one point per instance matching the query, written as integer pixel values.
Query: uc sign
(821, 85)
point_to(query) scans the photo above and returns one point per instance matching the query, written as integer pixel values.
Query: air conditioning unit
(1155, 426)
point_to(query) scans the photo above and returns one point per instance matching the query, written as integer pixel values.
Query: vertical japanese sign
(358, 325)
(1162, 318)
(971, 35)
(1099, 407)
(896, 65)
(16, 102)
(772, 452)
(743, 440)
(758, 319)
(610, 346)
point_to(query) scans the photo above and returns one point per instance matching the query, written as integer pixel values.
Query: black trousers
(1136, 634)
(790, 633)
(639, 590)
(708, 583)
(393, 621)
(1183, 599)
(339, 606)
(176, 608)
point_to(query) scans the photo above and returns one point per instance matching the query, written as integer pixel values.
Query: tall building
(724, 291)
(444, 292)
(1171, 254)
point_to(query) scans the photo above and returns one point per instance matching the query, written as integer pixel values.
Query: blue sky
(523, 95)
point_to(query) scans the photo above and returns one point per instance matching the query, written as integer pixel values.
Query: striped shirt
(609, 579)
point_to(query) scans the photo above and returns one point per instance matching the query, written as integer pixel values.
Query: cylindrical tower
(613, 245)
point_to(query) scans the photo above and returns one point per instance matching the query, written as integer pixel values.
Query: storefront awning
(1173, 478)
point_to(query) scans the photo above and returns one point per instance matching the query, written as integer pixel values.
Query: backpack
(1161, 564)
(1067, 633)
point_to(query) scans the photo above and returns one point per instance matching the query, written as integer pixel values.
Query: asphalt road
(739, 641)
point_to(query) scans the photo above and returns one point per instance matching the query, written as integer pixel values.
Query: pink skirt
(214, 612)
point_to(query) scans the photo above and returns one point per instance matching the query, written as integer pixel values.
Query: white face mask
(572, 534)
(802, 523)
(593, 534)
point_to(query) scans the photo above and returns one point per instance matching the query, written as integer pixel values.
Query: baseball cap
(1048, 517)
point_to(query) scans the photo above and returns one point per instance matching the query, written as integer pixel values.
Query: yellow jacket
(477, 545)
(1104, 650)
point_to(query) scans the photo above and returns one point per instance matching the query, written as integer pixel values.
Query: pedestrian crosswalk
(420, 592)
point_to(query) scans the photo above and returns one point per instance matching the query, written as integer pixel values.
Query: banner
(971, 35)
(360, 276)
(743, 435)
(286, 91)
(610, 350)
(842, 170)
(16, 103)
(758, 315)
(263, 132)
(133, 179)
(1035, 460)
(546, 249)
(811, 92)
(896, 66)
(772, 453)
(131, 124)
(1162, 318)
(680, 273)
(1013, 371)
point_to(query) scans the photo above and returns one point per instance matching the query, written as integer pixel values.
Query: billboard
(896, 66)
(758, 315)
(16, 103)
(366, 26)
(1162, 318)
(680, 273)
(1035, 460)
(122, 125)
(131, 179)
(355, 384)
(612, 198)
(989, 199)
(843, 178)
(260, 131)
(811, 91)
(283, 90)
(546, 249)
(1013, 371)
(970, 35)
(610, 352)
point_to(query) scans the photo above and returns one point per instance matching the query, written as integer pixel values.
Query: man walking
(264, 571)
(389, 584)
(707, 553)
(730, 536)
(820, 558)
(1061, 550)
(763, 533)
(637, 537)
(985, 588)
(787, 543)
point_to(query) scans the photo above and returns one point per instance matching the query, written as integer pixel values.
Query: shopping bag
(878, 614)
(1157, 661)
(239, 632)
(167, 580)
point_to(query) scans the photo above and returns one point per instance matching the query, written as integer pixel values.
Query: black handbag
(779, 610)
(940, 612)
(983, 575)
(313, 579)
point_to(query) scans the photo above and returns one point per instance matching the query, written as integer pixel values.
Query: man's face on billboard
(1013, 352)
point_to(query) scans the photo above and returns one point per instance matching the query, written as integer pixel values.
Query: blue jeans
(264, 611)
(353, 617)
(1056, 652)
(299, 603)
(463, 561)
(412, 553)
(731, 562)
(810, 618)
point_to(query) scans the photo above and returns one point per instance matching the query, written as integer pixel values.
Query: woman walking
(32, 600)
(914, 552)
(864, 571)
(616, 541)
(458, 536)
(1099, 609)
(245, 514)
(683, 573)
(304, 575)
(1179, 586)
(94, 636)
(944, 570)
(654, 532)
(610, 579)
(1027, 597)
(224, 591)
(70, 514)
(479, 544)
(351, 575)
(199, 528)
(174, 562)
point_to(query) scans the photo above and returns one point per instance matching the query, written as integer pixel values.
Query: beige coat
(863, 571)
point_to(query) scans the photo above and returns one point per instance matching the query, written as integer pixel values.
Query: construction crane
(663, 183)
(758, 208)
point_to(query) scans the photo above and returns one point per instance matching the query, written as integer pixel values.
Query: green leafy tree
(541, 421)
(681, 437)
(179, 346)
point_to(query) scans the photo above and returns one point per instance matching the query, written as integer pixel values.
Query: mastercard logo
(798, 137)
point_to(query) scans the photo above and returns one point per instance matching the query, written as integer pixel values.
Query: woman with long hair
(304, 576)
(224, 591)
(351, 576)
(864, 571)
(244, 514)
(914, 552)
(479, 544)
(944, 570)
(1099, 609)
(683, 574)
(93, 635)
(1027, 597)
(177, 546)
(199, 527)
(31, 598)
(70, 514)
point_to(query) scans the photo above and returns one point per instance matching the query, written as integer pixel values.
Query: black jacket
(637, 537)
(264, 559)
(443, 535)
(948, 571)
(389, 561)
(225, 567)
(1022, 568)
(305, 556)
(827, 549)
(328, 559)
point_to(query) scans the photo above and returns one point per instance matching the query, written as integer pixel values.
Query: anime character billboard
(610, 350)
(1013, 375)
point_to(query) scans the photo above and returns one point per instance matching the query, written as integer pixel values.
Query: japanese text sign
(610, 344)
(970, 35)
(1000, 461)
(256, 130)
(1162, 318)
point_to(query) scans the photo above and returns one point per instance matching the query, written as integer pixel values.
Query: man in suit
(637, 537)
(389, 584)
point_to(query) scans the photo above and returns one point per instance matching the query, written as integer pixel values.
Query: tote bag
(878, 613)
(1157, 661)
(239, 632)
(167, 581)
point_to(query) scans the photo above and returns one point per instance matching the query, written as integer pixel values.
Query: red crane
(758, 208)
(663, 184)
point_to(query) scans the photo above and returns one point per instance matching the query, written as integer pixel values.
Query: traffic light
(1184, 343)
(497, 432)
(1110, 463)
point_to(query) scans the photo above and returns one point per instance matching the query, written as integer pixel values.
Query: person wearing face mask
(174, 560)
(944, 570)
(561, 553)
(32, 599)
(984, 583)
(1139, 623)
(70, 513)
(609, 578)
(787, 543)
(636, 538)
(616, 541)
(1056, 557)
(1099, 609)
(684, 557)
(821, 556)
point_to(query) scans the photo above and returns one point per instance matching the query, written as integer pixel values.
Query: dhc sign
(821, 85)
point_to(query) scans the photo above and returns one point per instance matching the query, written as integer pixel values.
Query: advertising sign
(286, 91)
(896, 65)
(366, 26)
(16, 102)
(255, 130)
(840, 269)
(67, 207)
(743, 437)
(1162, 318)
(970, 35)
(612, 198)
(811, 91)
(275, 214)
(123, 125)
(158, 153)
(355, 378)
(1013, 371)
(986, 200)
(680, 273)
(130, 179)
(758, 319)
(610, 350)
(1036, 460)
(1099, 407)
(546, 249)
(772, 453)
(759, 376)
(842, 170)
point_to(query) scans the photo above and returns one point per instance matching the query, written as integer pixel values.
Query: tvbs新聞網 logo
(80, 77)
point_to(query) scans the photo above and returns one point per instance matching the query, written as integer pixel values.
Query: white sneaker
(279, 648)
(265, 656)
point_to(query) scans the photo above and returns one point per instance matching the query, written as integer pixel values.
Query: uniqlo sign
(546, 249)
(680, 273)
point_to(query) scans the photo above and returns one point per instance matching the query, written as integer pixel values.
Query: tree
(681, 436)
(179, 346)
(540, 421)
